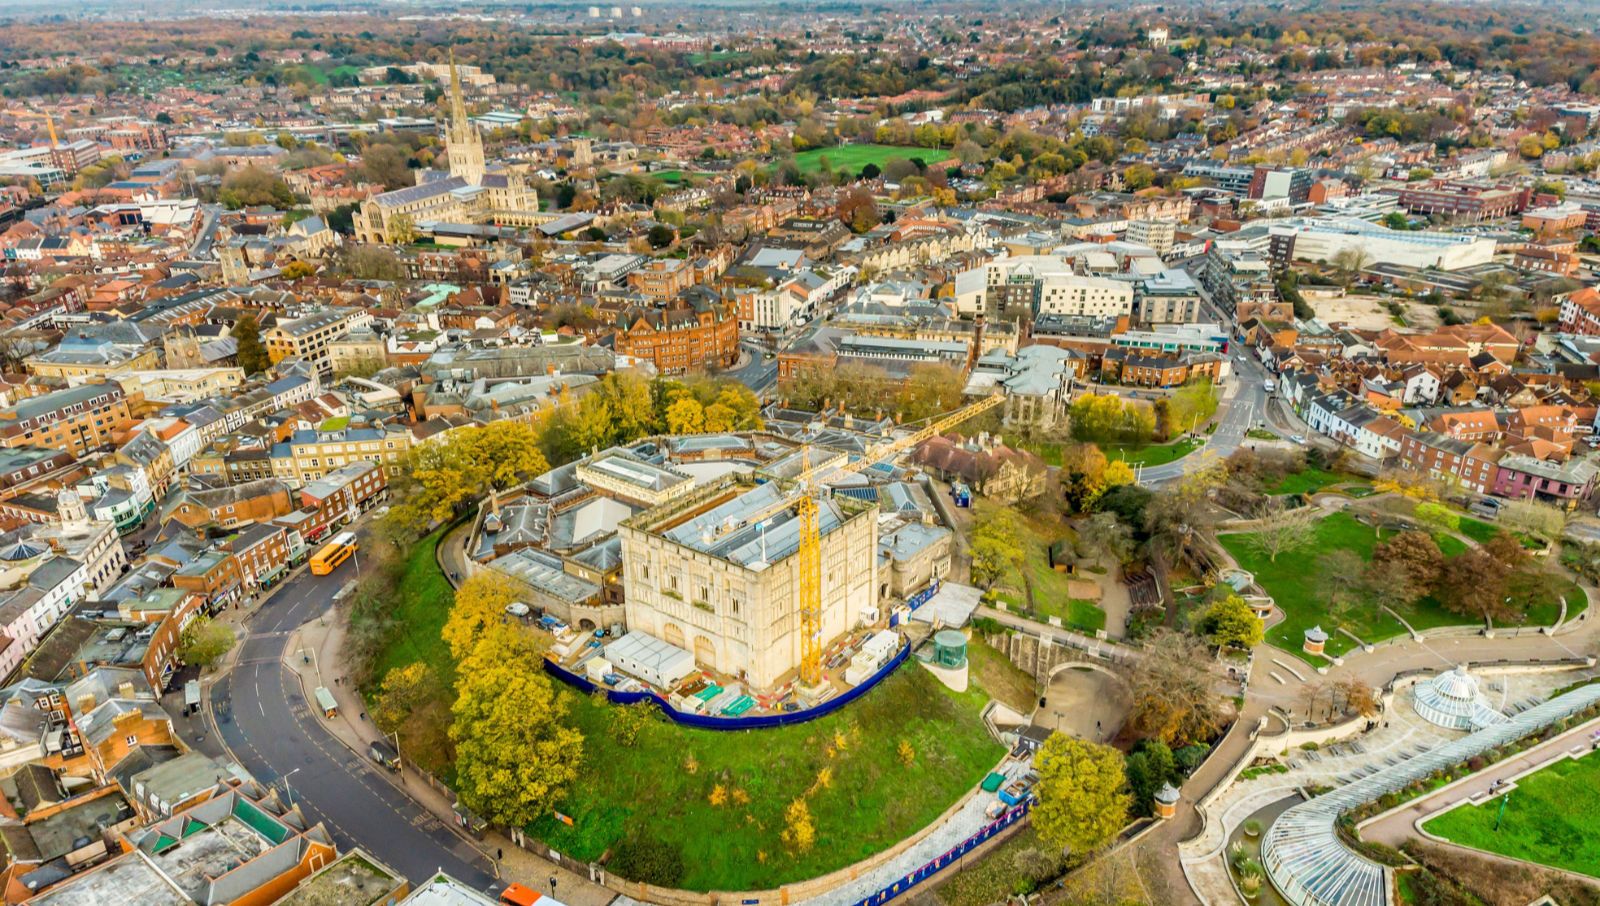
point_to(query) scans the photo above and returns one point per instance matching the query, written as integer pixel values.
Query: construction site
(733, 575)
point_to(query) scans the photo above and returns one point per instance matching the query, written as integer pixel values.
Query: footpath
(322, 638)
(312, 653)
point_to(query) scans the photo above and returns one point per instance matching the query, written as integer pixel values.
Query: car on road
(1298, 438)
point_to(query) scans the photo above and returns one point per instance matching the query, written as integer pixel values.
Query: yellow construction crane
(807, 511)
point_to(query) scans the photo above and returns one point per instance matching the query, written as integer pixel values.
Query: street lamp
(288, 789)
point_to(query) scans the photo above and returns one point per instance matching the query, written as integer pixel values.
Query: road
(1239, 414)
(207, 237)
(264, 720)
(759, 373)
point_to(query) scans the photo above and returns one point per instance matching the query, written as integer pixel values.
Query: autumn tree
(1475, 586)
(203, 642)
(402, 692)
(1081, 805)
(686, 416)
(1437, 517)
(1283, 528)
(1173, 691)
(1229, 622)
(996, 547)
(1107, 417)
(251, 355)
(515, 753)
(1414, 554)
(799, 829)
(480, 603)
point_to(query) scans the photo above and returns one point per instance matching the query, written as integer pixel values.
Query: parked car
(518, 609)
(1298, 438)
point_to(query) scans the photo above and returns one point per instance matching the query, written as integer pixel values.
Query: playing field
(852, 158)
(1552, 818)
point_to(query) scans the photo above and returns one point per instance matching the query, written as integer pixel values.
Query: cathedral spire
(463, 145)
(458, 107)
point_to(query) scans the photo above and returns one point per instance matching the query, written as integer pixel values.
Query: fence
(707, 722)
(934, 866)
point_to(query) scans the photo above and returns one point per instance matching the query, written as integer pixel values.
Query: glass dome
(1454, 701)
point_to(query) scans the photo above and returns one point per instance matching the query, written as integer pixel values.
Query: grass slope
(1306, 481)
(853, 157)
(872, 801)
(1552, 818)
(422, 603)
(1152, 454)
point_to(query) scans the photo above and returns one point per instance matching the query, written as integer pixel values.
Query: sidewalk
(321, 638)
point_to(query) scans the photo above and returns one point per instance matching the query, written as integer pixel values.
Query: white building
(1321, 239)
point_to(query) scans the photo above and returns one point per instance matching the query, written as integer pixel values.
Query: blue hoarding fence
(708, 722)
(932, 867)
(924, 596)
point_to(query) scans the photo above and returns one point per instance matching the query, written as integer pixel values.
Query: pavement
(258, 706)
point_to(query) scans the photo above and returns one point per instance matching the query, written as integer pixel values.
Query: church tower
(463, 145)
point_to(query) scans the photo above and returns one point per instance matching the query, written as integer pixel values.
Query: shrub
(649, 860)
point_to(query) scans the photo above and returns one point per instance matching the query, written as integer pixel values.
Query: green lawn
(422, 603)
(853, 157)
(1552, 818)
(1152, 454)
(1052, 595)
(1295, 582)
(1306, 481)
(1478, 530)
(661, 786)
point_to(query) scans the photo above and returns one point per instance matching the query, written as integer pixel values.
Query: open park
(1312, 589)
(851, 158)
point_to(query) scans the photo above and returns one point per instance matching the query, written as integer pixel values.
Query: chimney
(125, 690)
(85, 703)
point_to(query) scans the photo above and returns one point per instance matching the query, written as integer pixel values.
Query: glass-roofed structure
(1302, 851)
(1453, 700)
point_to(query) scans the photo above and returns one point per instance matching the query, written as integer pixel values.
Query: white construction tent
(658, 663)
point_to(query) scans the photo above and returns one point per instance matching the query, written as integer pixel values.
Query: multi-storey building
(78, 420)
(312, 454)
(308, 338)
(1464, 200)
(701, 576)
(699, 334)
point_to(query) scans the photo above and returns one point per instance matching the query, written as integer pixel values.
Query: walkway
(352, 728)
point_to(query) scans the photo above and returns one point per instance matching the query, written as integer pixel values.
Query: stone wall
(1037, 656)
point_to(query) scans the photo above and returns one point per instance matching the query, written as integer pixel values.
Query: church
(469, 193)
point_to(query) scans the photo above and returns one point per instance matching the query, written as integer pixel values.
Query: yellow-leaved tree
(515, 754)
(1081, 801)
(480, 605)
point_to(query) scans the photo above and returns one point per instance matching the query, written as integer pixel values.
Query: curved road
(265, 722)
(1239, 413)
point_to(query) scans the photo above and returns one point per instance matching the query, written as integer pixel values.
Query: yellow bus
(336, 552)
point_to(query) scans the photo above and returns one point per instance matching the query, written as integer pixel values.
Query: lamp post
(287, 788)
(1502, 813)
